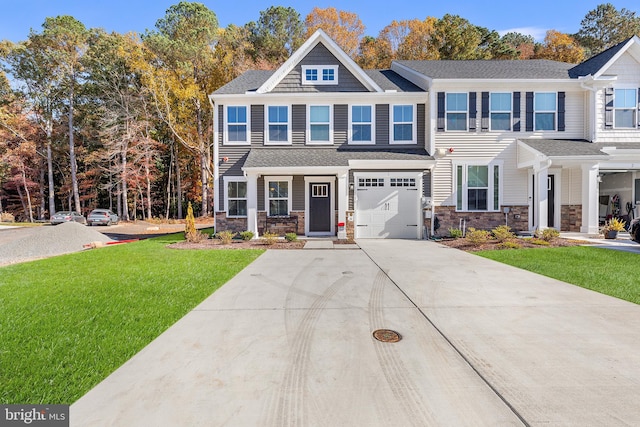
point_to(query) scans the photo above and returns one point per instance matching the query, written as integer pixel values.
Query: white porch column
(342, 204)
(590, 190)
(252, 203)
(541, 197)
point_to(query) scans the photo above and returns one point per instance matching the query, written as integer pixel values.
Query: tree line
(95, 119)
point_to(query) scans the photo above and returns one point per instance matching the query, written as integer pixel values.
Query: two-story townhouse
(322, 147)
(533, 144)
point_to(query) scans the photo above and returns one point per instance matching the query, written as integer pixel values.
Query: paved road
(288, 342)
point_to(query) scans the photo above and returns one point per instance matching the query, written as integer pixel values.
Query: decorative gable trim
(634, 40)
(318, 37)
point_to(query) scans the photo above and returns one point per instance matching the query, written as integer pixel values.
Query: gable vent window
(319, 74)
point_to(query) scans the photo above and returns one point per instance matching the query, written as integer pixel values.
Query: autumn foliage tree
(345, 28)
(558, 46)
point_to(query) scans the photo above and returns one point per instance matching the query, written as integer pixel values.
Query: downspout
(216, 168)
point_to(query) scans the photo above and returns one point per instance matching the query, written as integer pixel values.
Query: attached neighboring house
(323, 147)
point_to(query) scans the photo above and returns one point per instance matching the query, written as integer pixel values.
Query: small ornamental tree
(190, 231)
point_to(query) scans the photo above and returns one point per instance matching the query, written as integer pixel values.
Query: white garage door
(387, 206)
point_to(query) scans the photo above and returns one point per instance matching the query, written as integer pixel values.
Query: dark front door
(551, 193)
(319, 207)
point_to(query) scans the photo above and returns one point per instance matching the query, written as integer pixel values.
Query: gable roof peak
(319, 36)
(598, 64)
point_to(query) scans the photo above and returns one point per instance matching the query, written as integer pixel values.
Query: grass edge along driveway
(67, 322)
(610, 272)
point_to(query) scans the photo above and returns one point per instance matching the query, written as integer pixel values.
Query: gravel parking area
(31, 243)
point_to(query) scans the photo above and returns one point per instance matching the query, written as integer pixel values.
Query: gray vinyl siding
(320, 55)
(382, 124)
(340, 123)
(237, 155)
(297, 195)
(298, 123)
(257, 124)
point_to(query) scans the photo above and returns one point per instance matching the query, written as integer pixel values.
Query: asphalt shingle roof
(565, 147)
(491, 69)
(310, 157)
(247, 81)
(595, 63)
(390, 80)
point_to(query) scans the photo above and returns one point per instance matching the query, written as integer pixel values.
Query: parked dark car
(634, 230)
(102, 217)
(67, 216)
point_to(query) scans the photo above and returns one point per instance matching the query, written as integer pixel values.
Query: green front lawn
(607, 271)
(68, 322)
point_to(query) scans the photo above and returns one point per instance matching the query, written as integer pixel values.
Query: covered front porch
(576, 185)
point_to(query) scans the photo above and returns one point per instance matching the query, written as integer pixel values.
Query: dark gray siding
(340, 123)
(261, 193)
(298, 123)
(297, 202)
(257, 124)
(382, 124)
(320, 55)
(233, 166)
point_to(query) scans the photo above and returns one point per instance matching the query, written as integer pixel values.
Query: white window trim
(490, 195)
(509, 111)
(465, 112)
(319, 81)
(635, 124)
(225, 132)
(414, 125)
(226, 180)
(268, 179)
(308, 137)
(266, 124)
(555, 113)
(372, 123)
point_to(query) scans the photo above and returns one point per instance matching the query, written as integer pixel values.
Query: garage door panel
(386, 211)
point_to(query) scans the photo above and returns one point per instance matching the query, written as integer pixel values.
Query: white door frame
(332, 195)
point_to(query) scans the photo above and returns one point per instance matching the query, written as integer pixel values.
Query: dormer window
(319, 74)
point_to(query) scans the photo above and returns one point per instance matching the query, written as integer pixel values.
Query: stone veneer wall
(571, 218)
(449, 218)
(230, 224)
(349, 226)
(282, 225)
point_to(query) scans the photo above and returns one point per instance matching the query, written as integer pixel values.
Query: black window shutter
(484, 123)
(608, 108)
(440, 111)
(561, 96)
(516, 112)
(529, 112)
(473, 111)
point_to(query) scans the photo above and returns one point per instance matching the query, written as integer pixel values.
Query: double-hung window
(236, 197)
(544, 106)
(403, 127)
(478, 187)
(278, 124)
(500, 106)
(278, 192)
(456, 111)
(625, 105)
(237, 124)
(361, 124)
(319, 129)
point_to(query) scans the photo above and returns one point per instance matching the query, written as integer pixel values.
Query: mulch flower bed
(466, 245)
(237, 244)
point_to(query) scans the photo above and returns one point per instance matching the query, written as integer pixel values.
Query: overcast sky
(529, 17)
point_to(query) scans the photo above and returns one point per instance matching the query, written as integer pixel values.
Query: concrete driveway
(288, 342)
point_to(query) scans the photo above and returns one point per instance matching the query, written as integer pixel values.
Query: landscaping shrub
(246, 235)
(540, 242)
(548, 234)
(477, 237)
(509, 245)
(7, 217)
(269, 238)
(503, 233)
(456, 233)
(291, 237)
(226, 236)
(191, 234)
